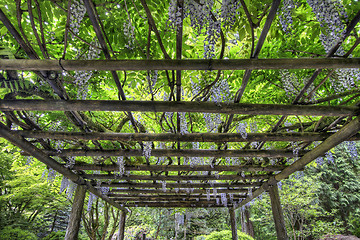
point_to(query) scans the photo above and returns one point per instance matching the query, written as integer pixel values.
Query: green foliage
(55, 236)
(224, 235)
(9, 233)
(339, 189)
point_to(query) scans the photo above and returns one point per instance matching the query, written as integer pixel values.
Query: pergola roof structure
(160, 175)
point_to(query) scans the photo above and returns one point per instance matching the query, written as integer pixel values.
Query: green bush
(9, 233)
(55, 236)
(226, 235)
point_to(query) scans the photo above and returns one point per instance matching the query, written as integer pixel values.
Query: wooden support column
(73, 227)
(233, 224)
(277, 213)
(122, 225)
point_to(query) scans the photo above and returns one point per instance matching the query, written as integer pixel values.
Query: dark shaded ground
(339, 237)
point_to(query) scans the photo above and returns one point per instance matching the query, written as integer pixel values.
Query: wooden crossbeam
(174, 177)
(174, 205)
(175, 153)
(173, 137)
(177, 191)
(169, 196)
(188, 64)
(196, 201)
(166, 106)
(179, 185)
(161, 168)
(172, 199)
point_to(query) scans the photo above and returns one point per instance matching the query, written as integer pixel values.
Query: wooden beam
(166, 106)
(175, 153)
(177, 191)
(178, 185)
(343, 134)
(72, 230)
(122, 225)
(171, 199)
(187, 168)
(168, 64)
(169, 195)
(173, 205)
(211, 203)
(24, 145)
(190, 137)
(233, 224)
(174, 177)
(277, 213)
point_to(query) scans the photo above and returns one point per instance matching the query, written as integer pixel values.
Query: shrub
(226, 235)
(55, 236)
(9, 233)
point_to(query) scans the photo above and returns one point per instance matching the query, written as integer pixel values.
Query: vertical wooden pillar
(277, 213)
(122, 225)
(75, 215)
(233, 224)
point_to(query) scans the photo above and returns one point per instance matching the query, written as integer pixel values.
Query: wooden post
(122, 225)
(277, 213)
(75, 216)
(233, 224)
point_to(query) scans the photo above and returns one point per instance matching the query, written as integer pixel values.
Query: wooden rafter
(185, 64)
(189, 137)
(176, 153)
(164, 106)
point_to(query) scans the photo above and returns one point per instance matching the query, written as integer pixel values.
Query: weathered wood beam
(169, 196)
(178, 185)
(166, 106)
(343, 134)
(72, 230)
(173, 205)
(122, 225)
(24, 145)
(186, 64)
(212, 201)
(176, 191)
(188, 168)
(190, 137)
(170, 199)
(174, 177)
(277, 213)
(175, 153)
(233, 224)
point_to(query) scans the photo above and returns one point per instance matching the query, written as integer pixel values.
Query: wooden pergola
(176, 184)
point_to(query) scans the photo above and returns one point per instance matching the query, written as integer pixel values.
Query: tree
(339, 190)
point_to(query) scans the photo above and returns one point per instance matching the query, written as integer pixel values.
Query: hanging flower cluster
(121, 164)
(92, 197)
(290, 82)
(70, 189)
(351, 146)
(77, 12)
(147, 150)
(285, 17)
(241, 128)
(330, 14)
(64, 184)
(204, 20)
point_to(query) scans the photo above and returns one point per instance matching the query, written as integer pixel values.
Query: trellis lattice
(186, 164)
